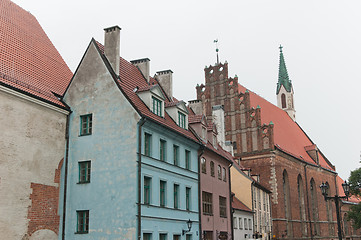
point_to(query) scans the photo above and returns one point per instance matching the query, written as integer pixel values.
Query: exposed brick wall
(43, 212)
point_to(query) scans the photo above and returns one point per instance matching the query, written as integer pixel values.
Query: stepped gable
(130, 81)
(288, 135)
(237, 204)
(29, 62)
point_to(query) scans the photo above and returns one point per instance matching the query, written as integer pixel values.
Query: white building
(242, 220)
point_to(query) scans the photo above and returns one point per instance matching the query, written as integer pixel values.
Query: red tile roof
(288, 135)
(192, 118)
(28, 60)
(237, 204)
(130, 79)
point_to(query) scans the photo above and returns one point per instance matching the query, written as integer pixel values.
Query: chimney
(112, 47)
(218, 120)
(166, 81)
(143, 65)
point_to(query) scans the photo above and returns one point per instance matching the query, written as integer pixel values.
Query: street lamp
(189, 225)
(336, 199)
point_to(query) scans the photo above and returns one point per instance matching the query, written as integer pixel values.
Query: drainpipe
(140, 124)
(65, 174)
(308, 204)
(199, 192)
(230, 199)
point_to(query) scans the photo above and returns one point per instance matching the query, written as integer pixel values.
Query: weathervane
(281, 48)
(217, 50)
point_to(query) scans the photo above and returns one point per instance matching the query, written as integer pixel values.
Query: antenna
(217, 50)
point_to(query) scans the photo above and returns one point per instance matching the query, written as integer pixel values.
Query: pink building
(214, 182)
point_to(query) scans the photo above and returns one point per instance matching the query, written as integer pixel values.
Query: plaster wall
(241, 187)
(217, 187)
(111, 194)
(32, 144)
(239, 230)
(167, 219)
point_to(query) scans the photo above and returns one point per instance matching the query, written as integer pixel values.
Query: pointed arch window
(329, 212)
(287, 203)
(301, 202)
(314, 206)
(283, 100)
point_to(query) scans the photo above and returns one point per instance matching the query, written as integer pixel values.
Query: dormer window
(157, 106)
(182, 120)
(214, 141)
(204, 133)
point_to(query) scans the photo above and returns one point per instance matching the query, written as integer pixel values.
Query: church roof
(288, 135)
(29, 62)
(130, 79)
(283, 79)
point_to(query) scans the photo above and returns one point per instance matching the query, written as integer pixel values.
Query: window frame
(222, 207)
(157, 107)
(162, 193)
(240, 223)
(86, 119)
(188, 160)
(86, 167)
(147, 144)
(224, 174)
(207, 203)
(182, 120)
(211, 165)
(219, 172)
(82, 221)
(163, 236)
(147, 236)
(147, 187)
(176, 196)
(204, 165)
(175, 155)
(163, 150)
(188, 198)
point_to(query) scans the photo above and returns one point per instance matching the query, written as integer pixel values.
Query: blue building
(131, 165)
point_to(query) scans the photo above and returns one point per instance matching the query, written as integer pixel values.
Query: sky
(321, 40)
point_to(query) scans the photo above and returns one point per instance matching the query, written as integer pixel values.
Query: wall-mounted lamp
(189, 225)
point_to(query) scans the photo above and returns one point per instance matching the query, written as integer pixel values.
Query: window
(188, 159)
(214, 141)
(188, 198)
(224, 175)
(176, 196)
(203, 164)
(162, 150)
(157, 106)
(212, 168)
(176, 237)
(204, 133)
(163, 236)
(207, 203)
(84, 172)
(182, 120)
(189, 237)
(82, 221)
(245, 224)
(219, 172)
(147, 185)
(283, 100)
(222, 207)
(240, 222)
(249, 224)
(86, 122)
(176, 155)
(147, 144)
(162, 193)
(147, 236)
(235, 223)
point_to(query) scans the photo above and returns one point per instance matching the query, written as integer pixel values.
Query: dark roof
(131, 78)
(237, 204)
(29, 62)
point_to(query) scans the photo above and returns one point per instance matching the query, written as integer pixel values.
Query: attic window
(182, 120)
(214, 141)
(157, 106)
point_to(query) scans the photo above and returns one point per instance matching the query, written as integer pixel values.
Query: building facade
(32, 124)
(274, 146)
(132, 162)
(242, 220)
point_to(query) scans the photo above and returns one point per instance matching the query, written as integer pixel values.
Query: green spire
(283, 78)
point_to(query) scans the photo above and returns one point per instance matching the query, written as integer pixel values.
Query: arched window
(203, 165)
(283, 100)
(286, 198)
(212, 168)
(314, 205)
(329, 212)
(301, 202)
(219, 172)
(345, 225)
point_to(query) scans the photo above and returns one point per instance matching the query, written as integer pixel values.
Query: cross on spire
(280, 48)
(217, 50)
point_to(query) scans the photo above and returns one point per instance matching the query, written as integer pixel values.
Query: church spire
(283, 79)
(284, 89)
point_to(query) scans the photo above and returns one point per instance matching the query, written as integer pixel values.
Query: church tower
(284, 89)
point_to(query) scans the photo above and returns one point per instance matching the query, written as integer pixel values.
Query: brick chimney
(112, 46)
(165, 78)
(143, 65)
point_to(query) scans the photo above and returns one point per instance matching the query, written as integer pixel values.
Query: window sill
(81, 232)
(208, 214)
(83, 182)
(81, 135)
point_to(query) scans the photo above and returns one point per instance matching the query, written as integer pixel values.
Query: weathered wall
(111, 194)
(241, 187)
(31, 146)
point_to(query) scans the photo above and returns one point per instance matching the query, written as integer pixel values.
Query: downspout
(65, 174)
(308, 203)
(199, 192)
(140, 124)
(230, 199)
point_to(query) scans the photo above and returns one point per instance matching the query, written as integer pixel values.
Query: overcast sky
(321, 39)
